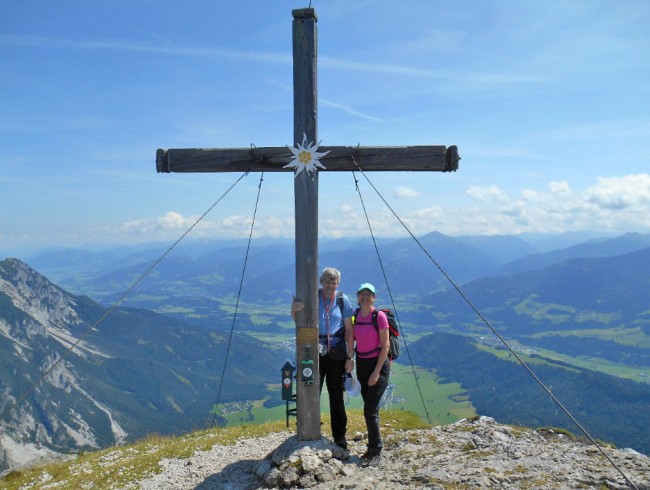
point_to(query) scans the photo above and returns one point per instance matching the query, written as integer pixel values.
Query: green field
(632, 336)
(640, 374)
(444, 402)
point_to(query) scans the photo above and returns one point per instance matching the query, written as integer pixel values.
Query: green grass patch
(444, 402)
(438, 396)
(438, 399)
(552, 313)
(507, 356)
(120, 467)
(633, 337)
(639, 374)
(272, 337)
(179, 310)
(589, 316)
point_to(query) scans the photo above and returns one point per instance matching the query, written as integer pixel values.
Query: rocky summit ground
(472, 453)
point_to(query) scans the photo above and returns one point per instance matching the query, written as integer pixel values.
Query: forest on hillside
(611, 409)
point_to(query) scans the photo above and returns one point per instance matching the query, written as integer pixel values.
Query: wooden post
(339, 158)
(306, 204)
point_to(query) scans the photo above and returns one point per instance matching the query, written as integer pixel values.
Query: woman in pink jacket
(373, 367)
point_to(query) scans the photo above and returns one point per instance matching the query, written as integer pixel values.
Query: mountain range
(154, 363)
(590, 308)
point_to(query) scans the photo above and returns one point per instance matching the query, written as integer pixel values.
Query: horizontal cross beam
(273, 159)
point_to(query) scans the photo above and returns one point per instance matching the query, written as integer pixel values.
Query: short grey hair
(330, 273)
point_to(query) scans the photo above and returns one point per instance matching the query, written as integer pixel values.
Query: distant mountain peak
(49, 309)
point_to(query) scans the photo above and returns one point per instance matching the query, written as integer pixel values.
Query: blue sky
(548, 102)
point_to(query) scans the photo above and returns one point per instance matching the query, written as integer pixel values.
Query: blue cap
(368, 286)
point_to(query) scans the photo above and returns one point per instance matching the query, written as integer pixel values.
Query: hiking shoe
(370, 453)
(373, 461)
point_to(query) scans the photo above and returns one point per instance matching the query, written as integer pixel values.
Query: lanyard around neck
(327, 309)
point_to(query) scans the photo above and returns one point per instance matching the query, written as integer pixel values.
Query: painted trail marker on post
(306, 160)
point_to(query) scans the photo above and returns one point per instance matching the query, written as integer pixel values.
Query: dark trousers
(371, 397)
(332, 372)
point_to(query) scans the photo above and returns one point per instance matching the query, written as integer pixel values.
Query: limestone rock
(472, 453)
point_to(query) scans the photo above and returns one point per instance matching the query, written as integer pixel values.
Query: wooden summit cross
(415, 158)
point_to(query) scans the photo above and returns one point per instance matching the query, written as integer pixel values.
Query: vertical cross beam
(338, 158)
(306, 213)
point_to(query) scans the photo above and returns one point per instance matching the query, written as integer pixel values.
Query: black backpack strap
(339, 302)
(375, 322)
(375, 313)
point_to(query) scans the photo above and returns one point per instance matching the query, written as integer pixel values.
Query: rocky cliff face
(68, 384)
(39, 322)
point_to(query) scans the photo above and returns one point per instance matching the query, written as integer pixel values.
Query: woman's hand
(296, 306)
(349, 365)
(374, 377)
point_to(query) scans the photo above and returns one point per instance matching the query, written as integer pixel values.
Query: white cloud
(403, 192)
(349, 110)
(486, 193)
(620, 192)
(173, 224)
(531, 195)
(561, 188)
(172, 220)
(612, 205)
